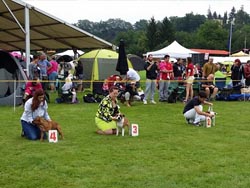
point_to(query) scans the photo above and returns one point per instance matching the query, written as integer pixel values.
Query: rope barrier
(87, 81)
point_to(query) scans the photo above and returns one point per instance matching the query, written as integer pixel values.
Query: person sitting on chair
(208, 86)
(30, 88)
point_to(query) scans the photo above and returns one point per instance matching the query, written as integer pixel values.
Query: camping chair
(220, 83)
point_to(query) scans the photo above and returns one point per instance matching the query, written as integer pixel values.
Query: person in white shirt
(133, 76)
(34, 107)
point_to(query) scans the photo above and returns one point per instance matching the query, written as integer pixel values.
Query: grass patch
(167, 153)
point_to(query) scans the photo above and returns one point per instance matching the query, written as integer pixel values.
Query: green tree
(211, 35)
(188, 23)
(141, 25)
(151, 34)
(225, 18)
(241, 38)
(166, 31)
(209, 14)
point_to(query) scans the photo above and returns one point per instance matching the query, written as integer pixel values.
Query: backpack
(90, 98)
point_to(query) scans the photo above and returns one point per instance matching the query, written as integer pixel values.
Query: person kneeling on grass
(193, 109)
(106, 114)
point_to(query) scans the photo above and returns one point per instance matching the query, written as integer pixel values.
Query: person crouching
(193, 109)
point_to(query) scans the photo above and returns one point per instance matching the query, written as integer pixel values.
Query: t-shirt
(191, 104)
(152, 72)
(190, 69)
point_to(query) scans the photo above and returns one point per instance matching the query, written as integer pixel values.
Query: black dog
(173, 96)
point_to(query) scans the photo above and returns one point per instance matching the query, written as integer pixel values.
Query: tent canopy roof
(46, 31)
(173, 50)
(239, 54)
(214, 52)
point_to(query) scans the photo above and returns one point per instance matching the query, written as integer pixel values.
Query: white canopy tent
(70, 53)
(174, 50)
(217, 59)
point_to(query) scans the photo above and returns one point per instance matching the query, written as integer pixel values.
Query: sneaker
(197, 124)
(22, 134)
(145, 102)
(153, 102)
(189, 121)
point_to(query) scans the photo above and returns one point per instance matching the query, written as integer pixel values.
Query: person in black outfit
(79, 76)
(151, 76)
(178, 70)
(237, 74)
(193, 109)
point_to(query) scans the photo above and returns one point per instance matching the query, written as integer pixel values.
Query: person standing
(151, 76)
(44, 65)
(34, 107)
(237, 74)
(105, 119)
(247, 73)
(178, 70)
(166, 74)
(34, 70)
(189, 79)
(79, 76)
(209, 68)
(53, 73)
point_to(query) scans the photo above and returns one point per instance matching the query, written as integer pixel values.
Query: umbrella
(65, 58)
(122, 63)
(137, 62)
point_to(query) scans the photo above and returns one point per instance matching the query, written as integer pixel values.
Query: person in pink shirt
(52, 73)
(166, 74)
(30, 88)
(189, 79)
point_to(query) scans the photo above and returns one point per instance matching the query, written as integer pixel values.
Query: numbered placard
(53, 136)
(208, 122)
(134, 130)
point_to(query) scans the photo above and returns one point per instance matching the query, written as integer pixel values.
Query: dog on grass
(173, 96)
(121, 123)
(45, 125)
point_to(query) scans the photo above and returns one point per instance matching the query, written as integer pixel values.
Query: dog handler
(193, 109)
(34, 107)
(106, 114)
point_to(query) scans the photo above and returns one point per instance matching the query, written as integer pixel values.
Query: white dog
(121, 123)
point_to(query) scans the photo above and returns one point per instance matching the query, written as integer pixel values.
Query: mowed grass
(168, 153)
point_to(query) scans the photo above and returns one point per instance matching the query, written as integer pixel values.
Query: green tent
(99, 65)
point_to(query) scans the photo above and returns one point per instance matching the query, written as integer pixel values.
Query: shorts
(190, 80)
(104, 125)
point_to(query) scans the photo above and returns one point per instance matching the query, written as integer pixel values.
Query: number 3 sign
(53, 136)
(134, 130)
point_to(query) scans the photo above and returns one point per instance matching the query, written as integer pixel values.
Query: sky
(133, 10)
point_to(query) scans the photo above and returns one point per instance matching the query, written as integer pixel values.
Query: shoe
(189, 121)
(197, 124)
(145, 102)
(153, 102)
(22, 134)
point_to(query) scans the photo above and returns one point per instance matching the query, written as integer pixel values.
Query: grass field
(168, 153)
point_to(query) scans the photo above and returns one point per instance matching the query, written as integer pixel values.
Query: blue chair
(220, 83)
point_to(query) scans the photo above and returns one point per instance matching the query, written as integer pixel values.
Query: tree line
(211, 31)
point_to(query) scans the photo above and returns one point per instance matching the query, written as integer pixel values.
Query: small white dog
(121, 123)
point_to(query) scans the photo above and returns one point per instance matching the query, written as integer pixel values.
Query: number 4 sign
(53, 136)
(134, 130)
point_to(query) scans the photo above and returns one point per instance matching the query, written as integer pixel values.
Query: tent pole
(14, 96)
(27, 38)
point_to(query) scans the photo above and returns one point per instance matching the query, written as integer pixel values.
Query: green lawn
(168, 153)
